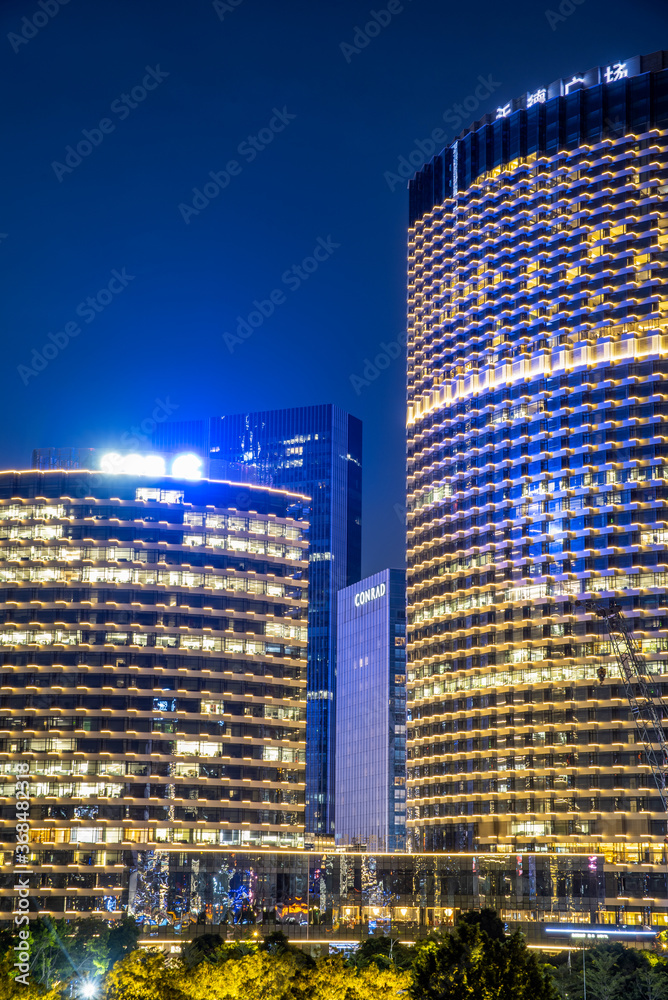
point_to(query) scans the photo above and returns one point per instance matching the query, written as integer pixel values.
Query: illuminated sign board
(538, 97)
(187, 466)
(571, 83)
(603, 933)
(372, 594)
(616, 71)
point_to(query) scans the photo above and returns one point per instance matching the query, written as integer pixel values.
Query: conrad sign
(372, 594)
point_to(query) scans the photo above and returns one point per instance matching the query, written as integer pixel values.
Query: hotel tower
(153, 685)
(538, 469)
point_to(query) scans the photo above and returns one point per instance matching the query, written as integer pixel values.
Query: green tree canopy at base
(469, 964)
(475, 961)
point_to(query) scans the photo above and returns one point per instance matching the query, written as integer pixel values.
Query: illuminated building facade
(538, 467)
(371, 713)
(153, 649)
(345, 896)
(316, 450)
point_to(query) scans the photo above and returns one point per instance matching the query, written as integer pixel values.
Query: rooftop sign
(372, 594)
(187, 466)
(579, 81)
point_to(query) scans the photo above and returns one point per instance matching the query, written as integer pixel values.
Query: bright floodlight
(187, 466)
(88, 989)
(154, 465)
(111, 462)
(133, 465)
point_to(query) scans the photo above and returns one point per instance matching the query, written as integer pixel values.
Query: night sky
(304, 133)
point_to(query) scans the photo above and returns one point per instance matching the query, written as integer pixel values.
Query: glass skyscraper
(538, 468)
(316, 450)
(371, 713)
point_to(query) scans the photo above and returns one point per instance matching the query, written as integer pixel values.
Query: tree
(523, 975)
(276, 943)
(385, 952)
(145, 975)
(210, 948)
(373, 982)
(49, 960)
(467, 964)
(653, 983)
(450, 968)
(123, 939)
(487, 920)
(201, 949)
(62, 949)
(604, 981)
(6, 937)
(335, 979)
(566, 975)
(11, 990)
(260, 976)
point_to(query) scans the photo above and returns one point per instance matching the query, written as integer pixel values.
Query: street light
(584, 970)
(574, 935)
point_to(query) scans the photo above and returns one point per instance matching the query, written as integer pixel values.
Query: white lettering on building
(538, 97)
(618, 71)
(571, 83)
(184, 466)
(372, 594)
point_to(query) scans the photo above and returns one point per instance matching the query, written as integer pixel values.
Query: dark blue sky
(161, 335)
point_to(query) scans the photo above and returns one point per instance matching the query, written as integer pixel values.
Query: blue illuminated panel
(371, 713)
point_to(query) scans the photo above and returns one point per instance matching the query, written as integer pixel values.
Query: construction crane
(642, 694)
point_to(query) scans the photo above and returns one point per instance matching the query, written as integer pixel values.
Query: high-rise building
(371, 713)
(153, 688)
(538, 468)
(316, 450)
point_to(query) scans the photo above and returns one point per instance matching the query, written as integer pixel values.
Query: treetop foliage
(477, 960)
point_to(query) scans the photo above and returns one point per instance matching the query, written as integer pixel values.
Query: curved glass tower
(538, 468)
